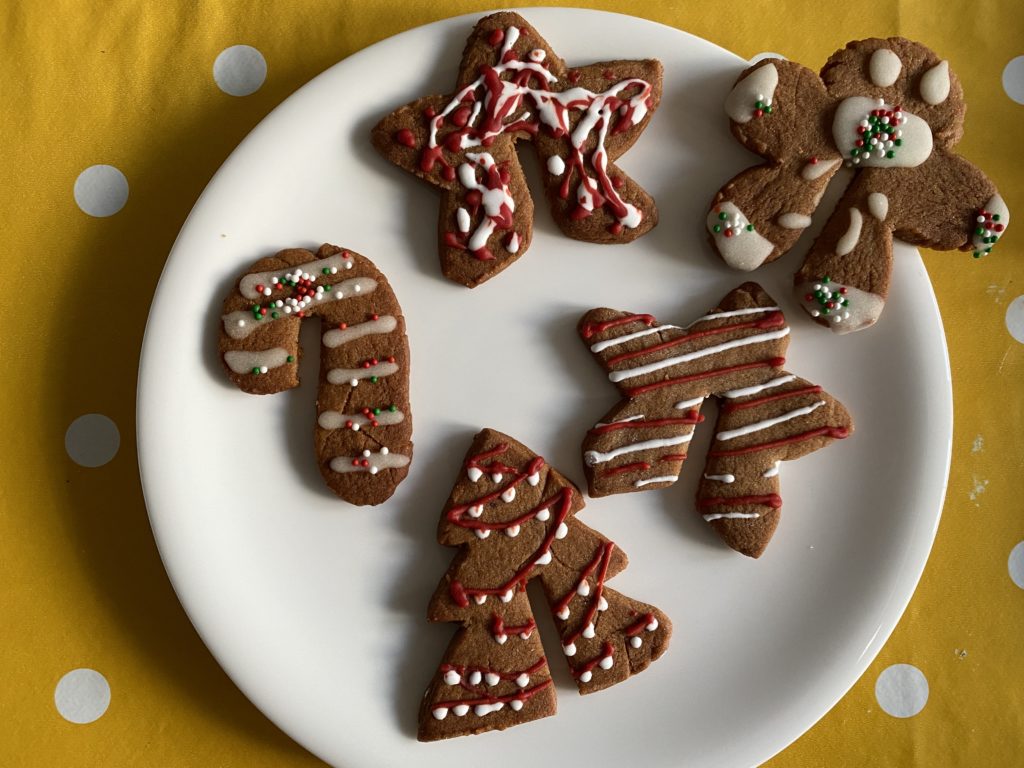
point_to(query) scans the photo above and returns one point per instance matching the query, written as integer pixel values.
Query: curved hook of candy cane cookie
(363, 424)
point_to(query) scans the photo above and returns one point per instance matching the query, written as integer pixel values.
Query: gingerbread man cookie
(736, 352)
(363, 429)
(512, 86)
(513, 518)
(891, 110)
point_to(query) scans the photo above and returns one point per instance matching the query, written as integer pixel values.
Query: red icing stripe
(772, 500)
(606, 650)
(837, 432)
(521, 695)
(637, 466)
(772, 362)
(590, 329)
(730, 407)
(635, 629)
(639, 424)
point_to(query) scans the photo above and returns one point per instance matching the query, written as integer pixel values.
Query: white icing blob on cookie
(878, 205)
(759, 85)
(884, 67)
(935, 83)
(913, 133)
(740, 247)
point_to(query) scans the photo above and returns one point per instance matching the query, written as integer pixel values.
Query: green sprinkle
(995, 217)
(826, 279)
(890, 154)
(718, 227)
(979, 231)
(723, 216)
(373, 379)
(898, 142)
(326, 271)
(255, 371)
(391, 407)
(274, 315)
(846, 302)
(854, 152)
(327, 287)
(977, 255)
(750, 227)
(768, 109)
(759, 105)
(826, 311)
(376, 411)
(291, 358)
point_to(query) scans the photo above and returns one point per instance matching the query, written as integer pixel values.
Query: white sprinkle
(384, 451)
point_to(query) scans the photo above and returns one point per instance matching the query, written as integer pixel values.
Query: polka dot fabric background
(114, 120)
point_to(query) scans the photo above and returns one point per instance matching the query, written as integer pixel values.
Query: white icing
(730, 515)
(382, 459)
(636, 641)
(509, 494)
(794, 221)
(336, 420)
(460, 709)
(491, 679)
(759, 85)
(338, 336)
(243, 361)
(744, 391)
(486, 709)
(914, 132)
(652, 625)
(878, 205)
(602, 604)
(544, 559)
(598, 457)
(884, 67)
(606, 663)
(314, 269)
(731, 313)
(570, 649)
(816, 170)
(533, 479)
(512, 246)
(757, 426)
(451, 677)
(600, 346)
(862, 311)
(556, 165)
(643, 370)
(516, 704)
(561, 531)
(852, 235)
(662, 479)
(745, 250)
(512, 531)
(354, 375)
(474, 473)
(773, 470)
(726, 478)
(996, 205)
(440, 713)
(543, 515)
(462, 220)
(474, 677)
(935, 83)
(586, 676)
(626, 420)
(482, 533)
(498, 203)
(682, 405)
(523, 680)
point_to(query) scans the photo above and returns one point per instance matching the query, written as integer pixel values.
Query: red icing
(521, 695)
(600, 562)
(673, 457)
(772, 362)
(637, 466)
(498, 627)
(455, 514)
(772, 500)
(606, 651)
(641, 424)
(405, 138)
(835, 432)
(590, 329)
(774, 320)
(730, 407)
(635, 629)
(497, 35)
(463, 672)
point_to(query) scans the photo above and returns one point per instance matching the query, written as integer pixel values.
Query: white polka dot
(902, 690)
(92, 440)
(101, 190)
(1015, 319)
(240, 70)
(1013, 79)
(82, 696)
(766, 55)
(1016, 565)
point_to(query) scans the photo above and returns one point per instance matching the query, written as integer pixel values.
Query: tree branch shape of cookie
(512, 86)
(363, 430)
(736, 352)
(513, 519)
(892, 111)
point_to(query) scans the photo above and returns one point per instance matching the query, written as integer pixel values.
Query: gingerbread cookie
(736, 352)
(513, 519)
(363, 430)
(891, 110)
(512, 86)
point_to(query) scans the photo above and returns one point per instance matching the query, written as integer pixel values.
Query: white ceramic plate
(316, 609)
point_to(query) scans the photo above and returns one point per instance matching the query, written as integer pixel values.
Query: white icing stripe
(731, 434)
(238, 325)
(603, 345)
(382, 459)
(744, 391)
(643, 370)
(730, 515)
(773, 470)
(243, 361)
(247, 285)
(682, 405)
(353, 375)
(794, 221)
(732, 313)
(618, 421)
(337, 336)
(598, 457)
(726, 478)
(849, 240)
(336, 420)
(814, 171)
(661, 479)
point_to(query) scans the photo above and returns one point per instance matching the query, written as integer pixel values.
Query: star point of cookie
(736, 352)
(892, 111)
(512, 86)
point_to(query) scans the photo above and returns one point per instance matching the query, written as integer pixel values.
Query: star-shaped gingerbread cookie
(512, 86)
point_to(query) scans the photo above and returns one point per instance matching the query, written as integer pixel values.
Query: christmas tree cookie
(892, 111)
(513, 518)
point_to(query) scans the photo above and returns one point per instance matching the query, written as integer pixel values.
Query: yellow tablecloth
(134, 85)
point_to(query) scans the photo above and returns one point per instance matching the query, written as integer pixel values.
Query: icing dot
(92, 440)
(1015, 319)
(239, 70)
(101, 190)
(902, 690)
(82, 696)
(1013, 79)
(1015, 564)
